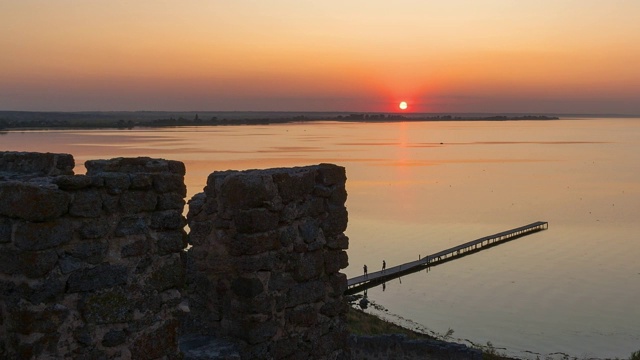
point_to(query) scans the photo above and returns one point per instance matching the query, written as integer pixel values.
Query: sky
(542, 56)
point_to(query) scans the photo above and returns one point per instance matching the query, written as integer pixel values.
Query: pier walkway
(363, 282)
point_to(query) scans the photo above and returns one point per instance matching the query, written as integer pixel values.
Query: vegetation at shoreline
(21, 120)
(361, 323)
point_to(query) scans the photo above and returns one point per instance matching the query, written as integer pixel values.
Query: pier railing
(371, 279)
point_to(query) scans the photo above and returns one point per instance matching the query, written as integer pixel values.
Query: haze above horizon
(495, 56)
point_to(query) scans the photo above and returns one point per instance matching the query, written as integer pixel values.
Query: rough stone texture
(25, 165)
(268, 246)
(94, 266)
(90, 265)
(397, 346)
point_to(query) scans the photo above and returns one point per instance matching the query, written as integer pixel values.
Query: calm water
(417, 188)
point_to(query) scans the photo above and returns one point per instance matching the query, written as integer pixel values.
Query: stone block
(141, 181)
(107, 307)
(47, 290)
(143, 265)
(170, 201)
(68, 263)
(287, 348)
(32, 202)
(111, 203)
(334, 308)
(247, 287)
(116, 183)
(100, 277)
(44, 235)
(134, 165)
(94, 229)
(131, 225)
(256, 221)
(171, 241)
(33, 264)
(73, 182)
(287, 235)
(199, 231)
(309, 266)
(167, 220)
(136, 248)
(305, 293)
(136, 201)
(309, 231)
(338, 284)
(86, 203)
(114, 338)
(295, 183)
(168, 276)
(177, 167)
(39, 164)
(259, 262)
(165, 183)
(281, 282)
(30, 321)
(93, 252)
(156, 343)
(335, 260)
(338, 196)
(338, 242)
(6, 228)
(329, 174)
(336, 222)
(247, 190)
(253, 244)
(83, 336)
(302, 315)
(254, 332)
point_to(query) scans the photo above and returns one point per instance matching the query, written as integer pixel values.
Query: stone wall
(90, 265)
(264, 267)
(93, 266)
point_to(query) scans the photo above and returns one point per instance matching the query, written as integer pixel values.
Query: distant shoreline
(19, 121)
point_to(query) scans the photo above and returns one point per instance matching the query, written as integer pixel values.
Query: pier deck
(362, 282)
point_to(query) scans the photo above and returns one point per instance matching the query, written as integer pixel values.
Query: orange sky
(562, 56)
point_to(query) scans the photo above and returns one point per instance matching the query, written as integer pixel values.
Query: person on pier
(384, 265)
(365, 270)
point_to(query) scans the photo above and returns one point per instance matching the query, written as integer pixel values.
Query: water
(417, 188)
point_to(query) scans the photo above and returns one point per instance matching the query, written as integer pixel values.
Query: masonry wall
(267, 248)
(91, 266)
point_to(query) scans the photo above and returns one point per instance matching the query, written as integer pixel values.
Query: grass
(361, 323)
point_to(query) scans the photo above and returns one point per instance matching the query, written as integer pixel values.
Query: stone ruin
(99, 266)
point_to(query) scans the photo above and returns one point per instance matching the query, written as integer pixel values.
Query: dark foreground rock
(401, 347)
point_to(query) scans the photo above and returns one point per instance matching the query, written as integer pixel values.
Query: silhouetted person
(365, 269)
(384, 265)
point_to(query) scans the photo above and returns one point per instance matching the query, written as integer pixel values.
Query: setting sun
(403, 105)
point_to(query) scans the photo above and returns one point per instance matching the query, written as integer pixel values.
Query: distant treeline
(126, 120)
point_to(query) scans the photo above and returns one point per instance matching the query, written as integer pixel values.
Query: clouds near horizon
(441, 56)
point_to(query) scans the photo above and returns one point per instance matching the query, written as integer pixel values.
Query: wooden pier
(363, 282)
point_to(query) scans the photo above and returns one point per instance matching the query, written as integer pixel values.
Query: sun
(403, 105)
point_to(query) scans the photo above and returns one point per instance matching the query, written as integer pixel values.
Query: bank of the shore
(362, 324)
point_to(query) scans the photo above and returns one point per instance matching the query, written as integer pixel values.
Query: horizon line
(324, 112)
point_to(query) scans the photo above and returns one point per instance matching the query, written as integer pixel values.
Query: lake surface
(416, 188)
